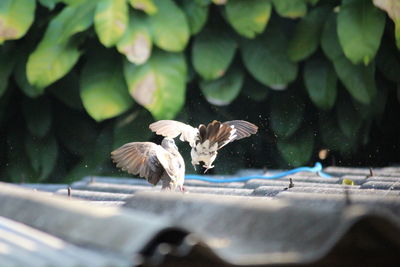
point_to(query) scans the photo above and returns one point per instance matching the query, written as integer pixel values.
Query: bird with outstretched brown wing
(205, 140)
(153, 162)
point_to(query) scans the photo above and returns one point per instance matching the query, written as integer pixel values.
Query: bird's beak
(194, 166)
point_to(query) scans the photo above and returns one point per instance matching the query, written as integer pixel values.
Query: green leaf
(7, 62)
(55, 56)
(169, 26)
(329, 39)
(297, 150)
(333, 137)
(37, 113)
(16, 17)
(229, 163)
(224, 90)
(307, 34)
(42, 153)
(103, 90)
(202, 2)
(47, 64)
(73, 2)
(72, 20)
(77, 142)
(266, 59)
(50, 4)
(5, 112)
(67, 91)
(290, 8)
(321, 82)
(219, 2)
(364, 133)
(388, 62)
(392, 7)
(136, 43)
(360, 29)
(254, 90)
(61, 167)
(248, 19)
(359, 80)
(131, 128)
(212, 53)
(111, 20)
(196, 15)
(145, 5)
(379, 104)
(287, 114)
(312, 2)
(376, 108)
(93, 160)
(21, 78)
(159, 84)
(18, 168)
(349, 120)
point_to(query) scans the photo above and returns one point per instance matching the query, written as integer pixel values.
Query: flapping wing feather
(243, 128)
(140, 158)
(202, 133)
(174, 165)
(218, 133)
(171, 129)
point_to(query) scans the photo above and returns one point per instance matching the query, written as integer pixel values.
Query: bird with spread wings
(205, 140)
(153, 162)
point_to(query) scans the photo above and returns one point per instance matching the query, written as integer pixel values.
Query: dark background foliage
(79, 78)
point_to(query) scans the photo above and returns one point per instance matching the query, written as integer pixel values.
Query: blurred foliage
(81, 77)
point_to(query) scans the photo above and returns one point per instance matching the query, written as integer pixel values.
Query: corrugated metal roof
(123, 221)
(21, 245)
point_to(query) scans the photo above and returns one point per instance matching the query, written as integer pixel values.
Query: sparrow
(205, 140)
(153, 162)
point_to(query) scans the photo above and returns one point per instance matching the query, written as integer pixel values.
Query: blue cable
(316, 169)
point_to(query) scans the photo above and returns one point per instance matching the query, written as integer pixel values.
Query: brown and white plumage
(153, 162)
(205, 140)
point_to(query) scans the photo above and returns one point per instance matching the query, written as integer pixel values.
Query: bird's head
(168, 143)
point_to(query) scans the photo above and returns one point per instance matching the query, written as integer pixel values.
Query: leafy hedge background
(81, 77)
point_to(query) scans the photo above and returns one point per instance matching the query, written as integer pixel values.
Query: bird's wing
(140, 158)
(243, 128)
(174, 165)
(230, 131)
(216, 133)
(171, 129)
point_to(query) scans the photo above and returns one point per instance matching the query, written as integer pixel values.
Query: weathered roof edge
(265, 218)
